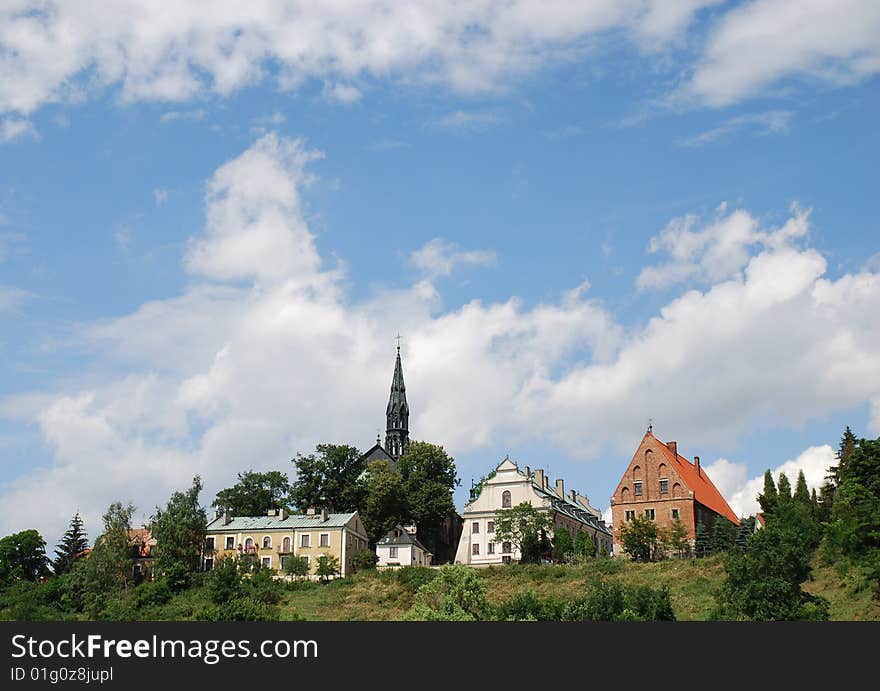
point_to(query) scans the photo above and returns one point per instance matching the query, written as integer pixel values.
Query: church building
(396, 422)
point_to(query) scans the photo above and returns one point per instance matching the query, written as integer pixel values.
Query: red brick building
(663, 485)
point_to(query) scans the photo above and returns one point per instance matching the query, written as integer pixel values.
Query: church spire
(397, 413)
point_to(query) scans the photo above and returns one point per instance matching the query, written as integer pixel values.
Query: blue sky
(579, 217)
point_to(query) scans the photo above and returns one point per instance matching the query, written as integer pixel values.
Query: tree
(429, 477)
(769, 498)
(723, 535)
(327, 567)
(674, 538)
(224, 580)
(298, 567)
(23, 557)
(801, 491)
(563, 545)
(855, 529)
(384, 502)
(702, 545)
(522, 526)
(744, 532)
(328, 478)
(255, 493)
(71, 546)
(456, 594)
(364, 560)
(583, 546)
(179, 530)
(783, 487)
(639, 538)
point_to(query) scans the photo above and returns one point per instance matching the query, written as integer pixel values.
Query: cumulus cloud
(13, 128)
(719, 250)
(341, 93)
(757, 45)
(439, 258)
(265, 354)
(741, 491)
(54, 51)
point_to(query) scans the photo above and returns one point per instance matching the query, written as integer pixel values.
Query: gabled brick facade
(687, 490)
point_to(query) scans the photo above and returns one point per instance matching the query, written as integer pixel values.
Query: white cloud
(122, 238)
(188, 115)
(13, 128)
(769, 122)
(264, 354)
(760, 44)
(54, 51)
(160, 196)
(741, 492)
(341, 93)
(718, 251)
(11, 298)
(463, 121)
(438, 258)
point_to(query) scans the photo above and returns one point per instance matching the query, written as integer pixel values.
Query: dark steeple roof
(397, 414)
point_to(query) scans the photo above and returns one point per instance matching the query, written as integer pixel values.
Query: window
(490, 527)
(649, 513)
(209, 543)
(490, 548)
(675, 514)
(305, 540)
(283, 562)
(249, 544)
(475, 527)
(324, 540)
(285, 545)
(630, 516)
(505, 547)
(230, 542)
(505, 500)
(267, 562)
(638, 488)
(392, 552)
(267, 542)
(209, 564)
(664, 486)
(475, 549)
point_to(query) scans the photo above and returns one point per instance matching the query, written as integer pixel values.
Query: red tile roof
(704, 491)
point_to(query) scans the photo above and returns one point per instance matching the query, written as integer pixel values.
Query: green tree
(744, 532)
(801, 491)
(702, 544)
(429, 477)
(108, 566)
(522, 525)
(769, 498)
(456, 594)
(23, 556)
(723, 535)
(255, 493)
(674, 539)
(384, 502)
(298, 567)
(639, 538)
(326, 567)
(328, 478)
(855, 529)
(179, 530)
(583, 546)
(783, 488)
(364, 560)
(563, 545)
(224, 580)
(71, 546)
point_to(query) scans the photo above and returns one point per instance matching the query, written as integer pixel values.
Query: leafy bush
(240, 609)
(612, 601)
(456, 594)
(528, 606)
(414, 577)
(364, 560)
(224, 580)
(152, 593)
(262, 586)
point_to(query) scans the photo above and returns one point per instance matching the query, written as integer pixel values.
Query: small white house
(401, 547)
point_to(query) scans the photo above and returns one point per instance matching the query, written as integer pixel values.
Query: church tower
(397, 414)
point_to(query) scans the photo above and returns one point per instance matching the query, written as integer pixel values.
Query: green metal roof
(291, 522)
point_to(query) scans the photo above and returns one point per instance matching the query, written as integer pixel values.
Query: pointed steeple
(397, 413)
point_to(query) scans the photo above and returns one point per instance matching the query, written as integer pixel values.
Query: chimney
(560, 487)
(310, 511)
(270, 512)
(323, 515)
(539, 477)
(528, 472)
(227, 517)
(216, 514)
(282, 514)
(411, 529)
(673, 446)
(697, 464)
(572, 495)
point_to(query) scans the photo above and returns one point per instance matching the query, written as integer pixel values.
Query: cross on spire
(398, 342)
(650, 424)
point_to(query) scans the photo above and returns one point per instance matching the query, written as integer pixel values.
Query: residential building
(663, 485)
(401, 547)
(143, 553)
(506, 488)
(279, 535)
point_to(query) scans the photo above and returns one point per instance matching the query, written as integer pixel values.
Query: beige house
(280, 535)
(510, 486)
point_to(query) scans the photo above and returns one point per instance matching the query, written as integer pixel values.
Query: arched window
(505, 499)
(285, 544)
(624, 494)
(249, 544)
(676, 491)
(661, 470)
(267, 542)
(637, 472)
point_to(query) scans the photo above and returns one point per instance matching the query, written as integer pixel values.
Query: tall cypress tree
(783, 487)
(744, 532)
(769, 498)
(72, 544)
(801, 492)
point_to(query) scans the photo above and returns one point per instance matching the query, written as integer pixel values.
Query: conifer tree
(783, 487)
(723, 535)
(769, 497)
(801, 492)
(702, 546)
(72, 544)
(744, 532)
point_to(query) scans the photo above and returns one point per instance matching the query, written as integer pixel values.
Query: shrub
(240, 609)
(456, 594)
(528, 606)
(414, 577)
(364, 560)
